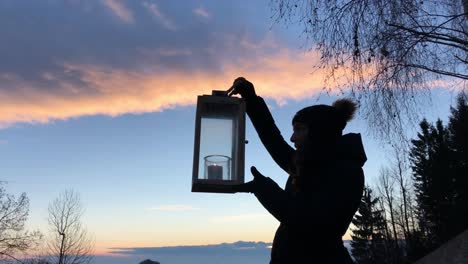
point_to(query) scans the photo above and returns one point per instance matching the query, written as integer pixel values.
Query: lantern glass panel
(215, 148)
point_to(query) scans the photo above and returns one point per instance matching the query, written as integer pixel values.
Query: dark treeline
(421, 199)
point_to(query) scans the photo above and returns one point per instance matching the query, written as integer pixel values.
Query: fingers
(238, 83)
(247, 187)
(231, 91)
(235, 86)
(243, 87)
(251, 186)
(239, 80)
(255, 172)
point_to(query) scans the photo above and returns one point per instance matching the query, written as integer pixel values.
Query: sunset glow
(100, 97)
(103, 90)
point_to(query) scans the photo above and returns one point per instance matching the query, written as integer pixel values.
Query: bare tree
(400, 170)
(14, 238)
(396, 190)
(386, 189)
(392, 203)
(388, 51)
(70, 243)
(383, 209)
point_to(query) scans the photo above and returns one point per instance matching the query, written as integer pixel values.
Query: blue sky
(99, 97)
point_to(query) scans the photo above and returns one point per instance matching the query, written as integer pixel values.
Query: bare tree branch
(70, 243)
(13, 215)
(387, 51)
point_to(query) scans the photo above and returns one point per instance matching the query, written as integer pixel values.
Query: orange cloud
(282, 76)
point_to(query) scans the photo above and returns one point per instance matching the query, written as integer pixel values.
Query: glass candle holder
(217, 167)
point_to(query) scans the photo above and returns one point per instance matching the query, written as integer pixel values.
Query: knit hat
(328, 119)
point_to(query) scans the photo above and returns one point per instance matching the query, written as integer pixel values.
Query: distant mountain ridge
(223, 248)
(149, 261)
(226, 248)
(245, 252)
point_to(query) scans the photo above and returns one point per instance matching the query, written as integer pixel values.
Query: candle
(215, 172)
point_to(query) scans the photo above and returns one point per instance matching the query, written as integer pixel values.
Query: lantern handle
(230, 91)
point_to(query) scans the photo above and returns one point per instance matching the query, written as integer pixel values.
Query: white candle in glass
(215, 172)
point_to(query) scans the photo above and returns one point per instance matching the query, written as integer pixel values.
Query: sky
(99, 97)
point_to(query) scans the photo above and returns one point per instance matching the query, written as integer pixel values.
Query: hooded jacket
(312, 221)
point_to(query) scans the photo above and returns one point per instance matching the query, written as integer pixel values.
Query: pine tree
(431, 158)
(368, 237)
(458, 133)
(420, 160)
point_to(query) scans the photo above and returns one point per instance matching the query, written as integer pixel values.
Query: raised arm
(269, 134)
(263, 122)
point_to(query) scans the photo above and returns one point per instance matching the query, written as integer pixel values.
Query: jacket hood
(350, 148)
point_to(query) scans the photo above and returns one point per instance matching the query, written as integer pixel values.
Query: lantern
(218, 160)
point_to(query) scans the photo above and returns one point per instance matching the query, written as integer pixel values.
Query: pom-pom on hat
(345, 108)
(329, 119)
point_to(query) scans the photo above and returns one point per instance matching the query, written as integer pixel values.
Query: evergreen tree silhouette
(439, 163)
(458, 134)
(433, 181)
(368, 237)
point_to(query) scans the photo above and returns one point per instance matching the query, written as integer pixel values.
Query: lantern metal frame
(238, 144)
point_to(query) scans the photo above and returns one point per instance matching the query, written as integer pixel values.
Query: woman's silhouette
(325, 182)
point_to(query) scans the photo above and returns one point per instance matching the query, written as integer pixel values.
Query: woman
(325, 182)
